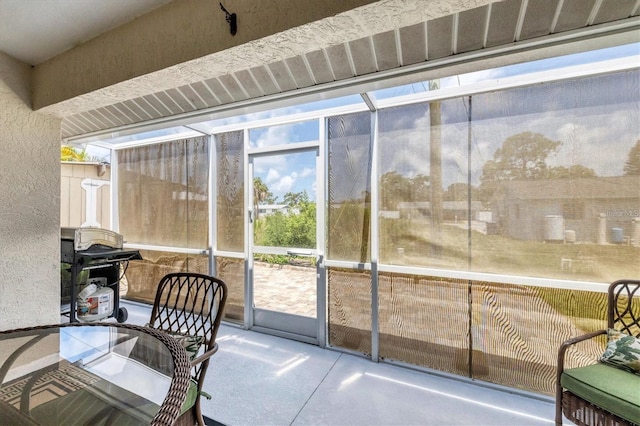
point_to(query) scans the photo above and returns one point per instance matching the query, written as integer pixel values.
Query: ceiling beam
(188, 41)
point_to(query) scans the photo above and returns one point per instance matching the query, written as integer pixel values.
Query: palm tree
(70, 153)
(260, 194)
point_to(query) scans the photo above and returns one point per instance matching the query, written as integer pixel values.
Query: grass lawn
(450, 248)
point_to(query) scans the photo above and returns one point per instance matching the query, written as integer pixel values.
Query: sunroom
(448, 187)
(464, 224)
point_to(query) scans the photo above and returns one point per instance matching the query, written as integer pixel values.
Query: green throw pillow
(190, 343)
(623, 351)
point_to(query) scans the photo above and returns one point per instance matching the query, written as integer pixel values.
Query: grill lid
(83, 238)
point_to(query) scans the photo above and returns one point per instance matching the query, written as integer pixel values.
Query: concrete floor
(258, 379)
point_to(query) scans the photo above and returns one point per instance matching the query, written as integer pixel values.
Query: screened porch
(464, 225)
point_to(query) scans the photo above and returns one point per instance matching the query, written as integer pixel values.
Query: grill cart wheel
(122, 315)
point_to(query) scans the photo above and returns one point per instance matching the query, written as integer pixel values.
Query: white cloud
(272, 176)
(284, 184)
(307, 172)
(276, 135)
(263, 165)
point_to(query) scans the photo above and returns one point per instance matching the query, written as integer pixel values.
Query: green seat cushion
(610, 388)
(192, 396)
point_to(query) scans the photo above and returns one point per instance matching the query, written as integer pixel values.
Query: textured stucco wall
(30, 207)
(172, 34)
(188, 40)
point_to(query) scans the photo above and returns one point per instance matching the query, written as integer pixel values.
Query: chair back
(624, 307)
(190, 304)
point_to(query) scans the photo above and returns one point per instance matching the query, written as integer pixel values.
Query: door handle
(299, 253)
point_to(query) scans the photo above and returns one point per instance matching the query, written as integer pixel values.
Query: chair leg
(558, 405)
(198, 412)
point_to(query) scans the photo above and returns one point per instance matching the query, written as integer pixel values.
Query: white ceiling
(36, 30)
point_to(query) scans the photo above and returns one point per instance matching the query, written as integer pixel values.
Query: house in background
(452, 211)
(267, 209)
(596, 210)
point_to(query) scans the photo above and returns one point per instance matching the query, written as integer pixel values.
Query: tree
(70, 153)
(294, 229)
(632, 165)
(573, 172)
(301, 227)
(295, 199)
(395, 188)
(458, 192)
(522, 156)
(260, 194)
(420, 187)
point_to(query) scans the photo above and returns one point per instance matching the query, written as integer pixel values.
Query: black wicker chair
(190, 305)
(623, 314)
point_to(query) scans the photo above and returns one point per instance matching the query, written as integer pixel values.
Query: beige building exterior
(85, 195)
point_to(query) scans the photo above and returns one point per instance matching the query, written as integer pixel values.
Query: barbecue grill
(90, 253)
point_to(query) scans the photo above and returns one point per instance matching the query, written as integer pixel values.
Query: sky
(577, 129)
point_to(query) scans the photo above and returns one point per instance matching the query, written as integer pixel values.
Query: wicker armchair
(191, 305)
(623, 314)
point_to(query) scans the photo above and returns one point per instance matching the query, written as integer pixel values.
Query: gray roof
(623, 187)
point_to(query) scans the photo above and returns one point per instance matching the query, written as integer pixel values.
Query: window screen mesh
(493, 183)
(231, 271)
(554, 175)
(423, 185)
(163, 193)
(540, 181)
(143, 276)
(516, 332)
(230, 191)
(424, 321)
(349, 213)
(349, 301)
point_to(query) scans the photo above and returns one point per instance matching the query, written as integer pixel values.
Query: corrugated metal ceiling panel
(574, 14)
(471, 29)
(413, 43)
(503, 21)
(499, 23)
(386, 50)
(439, 37)
(319, 66)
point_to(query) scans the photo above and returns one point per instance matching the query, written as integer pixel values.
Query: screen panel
(230, 191)
(163, 193)
(349, 187)
(516, 332)
(142, 276)
(349, 309)
(231, 271)
(423, 321)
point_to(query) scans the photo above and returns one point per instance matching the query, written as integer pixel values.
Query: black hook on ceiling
(232, 19)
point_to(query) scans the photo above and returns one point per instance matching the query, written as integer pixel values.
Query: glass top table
(91, 373)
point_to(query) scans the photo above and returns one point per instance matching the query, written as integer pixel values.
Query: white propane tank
(95, 305)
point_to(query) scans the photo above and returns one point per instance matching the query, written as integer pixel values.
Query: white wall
(29, 204)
